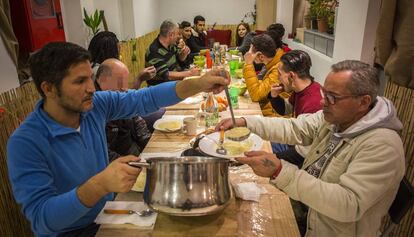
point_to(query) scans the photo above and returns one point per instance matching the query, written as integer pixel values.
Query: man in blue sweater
(58, 160)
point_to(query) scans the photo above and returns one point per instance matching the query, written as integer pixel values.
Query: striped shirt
(164, 60)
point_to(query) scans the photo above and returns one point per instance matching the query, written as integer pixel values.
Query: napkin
(147, 222)
(248, 191)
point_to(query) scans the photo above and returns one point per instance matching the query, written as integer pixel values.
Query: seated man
(353, 169)
(185, 32)
(164, 55)
(294, 75)
(124, 136)
(57, 159)
(262, 50)
(199, 34)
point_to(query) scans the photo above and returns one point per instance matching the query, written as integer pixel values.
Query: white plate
(209, 147)
(166, 120)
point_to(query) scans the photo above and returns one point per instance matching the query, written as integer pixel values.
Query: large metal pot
(187, 186)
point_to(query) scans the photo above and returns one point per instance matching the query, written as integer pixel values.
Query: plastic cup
(233, 66)
(234, 97)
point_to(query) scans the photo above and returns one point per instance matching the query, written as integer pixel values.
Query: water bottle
(212, 111)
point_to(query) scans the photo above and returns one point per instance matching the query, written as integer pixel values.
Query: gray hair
(166, 27)
(364, 78)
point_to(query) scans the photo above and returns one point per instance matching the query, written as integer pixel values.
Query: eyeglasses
(333, 99)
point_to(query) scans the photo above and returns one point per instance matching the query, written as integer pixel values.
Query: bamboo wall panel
(403, 99)
(133, 54)
(18, 103)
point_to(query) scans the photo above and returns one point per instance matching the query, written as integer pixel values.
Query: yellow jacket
(260, 89)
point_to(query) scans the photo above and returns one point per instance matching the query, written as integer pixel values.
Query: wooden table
(271, 216)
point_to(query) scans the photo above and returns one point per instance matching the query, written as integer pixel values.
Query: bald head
(112, 74)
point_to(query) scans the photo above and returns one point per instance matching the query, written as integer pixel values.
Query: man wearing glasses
(356, 161)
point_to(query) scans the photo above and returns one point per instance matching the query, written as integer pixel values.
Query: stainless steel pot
(187, 186)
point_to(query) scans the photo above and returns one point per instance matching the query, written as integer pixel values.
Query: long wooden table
(271, 216)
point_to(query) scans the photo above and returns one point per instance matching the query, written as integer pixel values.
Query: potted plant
(323, 15)
(311, 16)
(331, 23)
(93, 21)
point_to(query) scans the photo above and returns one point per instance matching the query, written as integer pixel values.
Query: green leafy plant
(93, 21)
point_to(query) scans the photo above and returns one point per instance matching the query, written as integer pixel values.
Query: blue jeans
(277, 147)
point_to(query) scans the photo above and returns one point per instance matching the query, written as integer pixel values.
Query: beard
(71, 106)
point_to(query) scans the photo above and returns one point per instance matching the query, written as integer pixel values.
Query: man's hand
(228, 123)
(144, 75)
(194, 71)
(275, 90)
(263, 164)
(181, 43)
(213, 81)
(184, 53)
(117, 177)
(249, 57)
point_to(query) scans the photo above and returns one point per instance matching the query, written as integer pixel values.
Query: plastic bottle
(212, 111)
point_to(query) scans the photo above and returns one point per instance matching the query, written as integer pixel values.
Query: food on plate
(238, 133)
(237, 148)
(169, 125)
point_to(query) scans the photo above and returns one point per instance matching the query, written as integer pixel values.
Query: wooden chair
(222, 36)
(400, 206)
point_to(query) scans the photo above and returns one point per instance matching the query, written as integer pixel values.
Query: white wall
(8, 76)
(355, 36)
(72, 14)
(321, 64)
(284, 15)
(127, 20)
(146, 16)
(220, 11)
(112, 12)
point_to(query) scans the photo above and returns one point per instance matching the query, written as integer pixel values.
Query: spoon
(144, 213)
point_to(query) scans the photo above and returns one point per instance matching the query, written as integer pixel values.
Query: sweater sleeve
(41, 203)
(259, 89)
(124, 105)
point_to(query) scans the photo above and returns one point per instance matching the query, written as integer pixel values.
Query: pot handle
(139, 164)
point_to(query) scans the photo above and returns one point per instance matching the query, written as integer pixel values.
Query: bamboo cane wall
(18, 103)
(403, 99)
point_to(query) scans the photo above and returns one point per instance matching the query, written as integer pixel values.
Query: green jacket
(356, 188)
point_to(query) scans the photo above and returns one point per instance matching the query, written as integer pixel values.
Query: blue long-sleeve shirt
(47, 162)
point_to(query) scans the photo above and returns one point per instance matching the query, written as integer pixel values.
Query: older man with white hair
(352, 171)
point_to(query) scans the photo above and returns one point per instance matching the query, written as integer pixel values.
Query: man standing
(356, 161)
(58, 160)
(164, 55)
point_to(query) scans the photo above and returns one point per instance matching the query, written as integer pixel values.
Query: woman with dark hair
(103, 45)
(242, 30)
